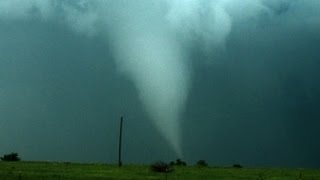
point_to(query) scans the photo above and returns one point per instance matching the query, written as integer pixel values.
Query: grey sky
(214, 80)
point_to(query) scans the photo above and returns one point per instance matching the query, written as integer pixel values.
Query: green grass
(56, 170)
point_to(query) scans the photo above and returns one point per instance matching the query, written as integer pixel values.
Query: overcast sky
(220, 80)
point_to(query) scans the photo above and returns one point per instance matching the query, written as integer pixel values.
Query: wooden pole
(120, 141)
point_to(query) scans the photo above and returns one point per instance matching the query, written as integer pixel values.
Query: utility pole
(120, 141)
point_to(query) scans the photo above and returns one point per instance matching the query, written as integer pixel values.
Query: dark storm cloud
(238, 79)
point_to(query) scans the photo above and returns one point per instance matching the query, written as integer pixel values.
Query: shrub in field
(172, 163)
(160, 166)
(237, 166)
(179, 162)
(202, 163)
(10, 157)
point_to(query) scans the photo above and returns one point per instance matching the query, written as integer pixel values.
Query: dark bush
(160, 166)
(237, 166)
(202, 163)
(10, 157)
(179, 162)
(172, 163)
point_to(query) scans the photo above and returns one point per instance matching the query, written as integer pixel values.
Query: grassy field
(55, 170)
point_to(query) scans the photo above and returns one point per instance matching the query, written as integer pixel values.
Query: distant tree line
(163, 167)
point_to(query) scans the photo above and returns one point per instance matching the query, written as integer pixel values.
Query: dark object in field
(178, 162)
(172, 163)
(162, 167)
(202, 163)
(10, 157)
(237, 166)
